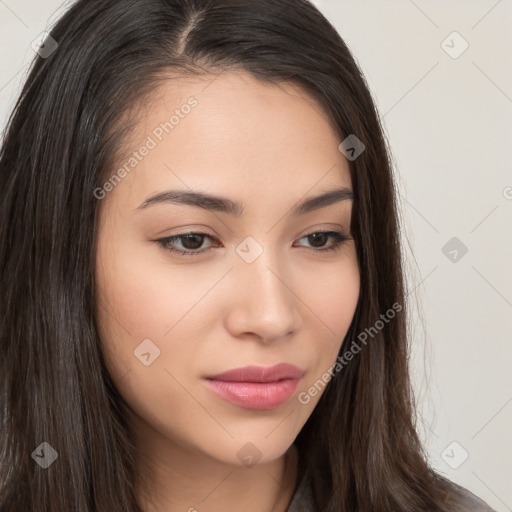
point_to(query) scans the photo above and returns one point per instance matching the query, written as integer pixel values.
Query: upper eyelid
(202, 233)
(199, 231)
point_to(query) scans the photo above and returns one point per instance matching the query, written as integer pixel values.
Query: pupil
(318, 237)
(198, 239)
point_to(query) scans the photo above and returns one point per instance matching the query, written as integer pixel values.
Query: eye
(191, 243)
(318, 239)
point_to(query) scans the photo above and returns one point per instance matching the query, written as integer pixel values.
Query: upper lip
(259, 373)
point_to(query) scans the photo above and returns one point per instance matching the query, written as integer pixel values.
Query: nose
(262, 304)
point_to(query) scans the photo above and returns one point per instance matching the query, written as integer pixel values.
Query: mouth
(256, 387)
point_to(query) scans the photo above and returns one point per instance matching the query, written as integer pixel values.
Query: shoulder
(463, 500)
(458, 498)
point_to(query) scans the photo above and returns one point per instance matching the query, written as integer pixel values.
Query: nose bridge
(265, 276)
(263, 296)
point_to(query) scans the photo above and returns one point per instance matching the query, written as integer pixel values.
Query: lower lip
(255, 395)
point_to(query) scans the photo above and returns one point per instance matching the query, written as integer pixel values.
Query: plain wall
(448, 119)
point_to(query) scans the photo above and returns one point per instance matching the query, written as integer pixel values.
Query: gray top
(302, 500)
(464, 500)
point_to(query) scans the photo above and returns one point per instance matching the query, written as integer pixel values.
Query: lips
(260, 374)
(256, 387)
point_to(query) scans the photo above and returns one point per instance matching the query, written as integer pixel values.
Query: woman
(202, 292)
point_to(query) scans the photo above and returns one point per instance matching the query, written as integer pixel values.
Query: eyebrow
(223, 205)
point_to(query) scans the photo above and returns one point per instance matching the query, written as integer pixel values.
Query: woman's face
(255, 290)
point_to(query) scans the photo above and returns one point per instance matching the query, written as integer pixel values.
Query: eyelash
(339, 239)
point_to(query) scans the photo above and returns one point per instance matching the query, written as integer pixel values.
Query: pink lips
(257, 387)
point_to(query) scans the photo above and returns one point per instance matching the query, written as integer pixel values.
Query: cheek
(149, 346)
(142, 297)
(331, 299)
(333, 294)
(336, 298)
(145, 296)
(130, 302)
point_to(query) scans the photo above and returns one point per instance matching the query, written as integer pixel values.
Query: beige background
(449, 123)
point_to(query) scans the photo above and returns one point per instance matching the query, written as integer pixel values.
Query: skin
(268, 147)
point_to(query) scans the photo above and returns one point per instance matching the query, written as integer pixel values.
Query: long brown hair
(359, 448)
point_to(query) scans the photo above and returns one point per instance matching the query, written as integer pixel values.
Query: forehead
(231, 134)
